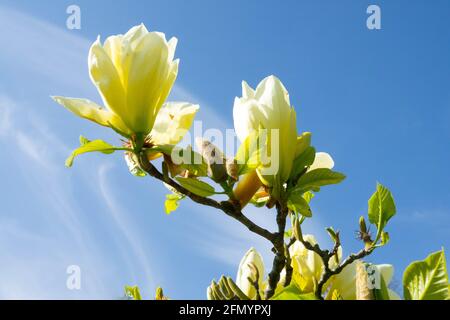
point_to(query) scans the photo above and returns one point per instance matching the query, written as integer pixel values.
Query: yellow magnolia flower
(173, 121)
(134, 74)
(307, 270)
(307, 265)
(268, 107)
(345, 282)
(251, 266)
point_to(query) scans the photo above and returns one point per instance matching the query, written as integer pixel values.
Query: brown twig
(228, 208)
(326, 255)
(279, 261)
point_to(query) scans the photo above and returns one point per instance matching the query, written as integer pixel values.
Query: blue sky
(377, 101)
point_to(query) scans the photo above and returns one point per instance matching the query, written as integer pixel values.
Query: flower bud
(363, 292)
(268, 108)
(251, 267)
(215, 160)
(362, 225)
(247, 187)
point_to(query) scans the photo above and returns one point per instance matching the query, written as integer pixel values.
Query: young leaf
(298, 204)
(197, 187)
(333, 234)
(427, 279)
(133, 292)
(303, 142)
(308, 196)
(314, 179)
(83, 140)
(159, 295)
(186, 158)
(305, 159)
(292, 292)
(172, 202)
(381, 208)
(91, 146)
(384, 238)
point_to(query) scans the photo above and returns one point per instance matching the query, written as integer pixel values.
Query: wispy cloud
(36, 254)
(125, 225)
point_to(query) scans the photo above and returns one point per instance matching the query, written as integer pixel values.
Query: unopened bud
(362, 285)
(215, 160)
(232, 169)
(160, 294)
(217, 292)
(209, 294)
(247, 187)
(362, 225)
(238, 292)
(226, 290)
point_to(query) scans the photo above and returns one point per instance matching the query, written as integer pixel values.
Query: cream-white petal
(245, 271)
(322, 161)
(106, 78)
(172, 122)
(387, 271)
(87, 109)
(247, 91)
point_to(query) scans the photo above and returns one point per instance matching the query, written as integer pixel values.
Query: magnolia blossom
(268, 107)
(308, 267)
(345, 281)
(251, 266)
(134, 74)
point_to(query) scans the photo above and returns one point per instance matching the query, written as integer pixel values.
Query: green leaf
(172, 202)
(197, 187)
(298, 204)
(83, 140)
(381, 208)
(133, 292)
(314, 179)
(308, 196)
(384, 238)
(189, 159)
(333, 234)
(248, 154)
(304, 160)
(292, 292)
(427, 279)
(91, 146)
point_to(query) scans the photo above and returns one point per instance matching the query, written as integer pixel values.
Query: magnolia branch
(227, 207)
(289, 269)
(277, 239)
(326, 255)
(279, 262)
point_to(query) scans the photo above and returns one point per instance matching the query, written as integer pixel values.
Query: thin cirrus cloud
(36, 256)
(54, 227)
